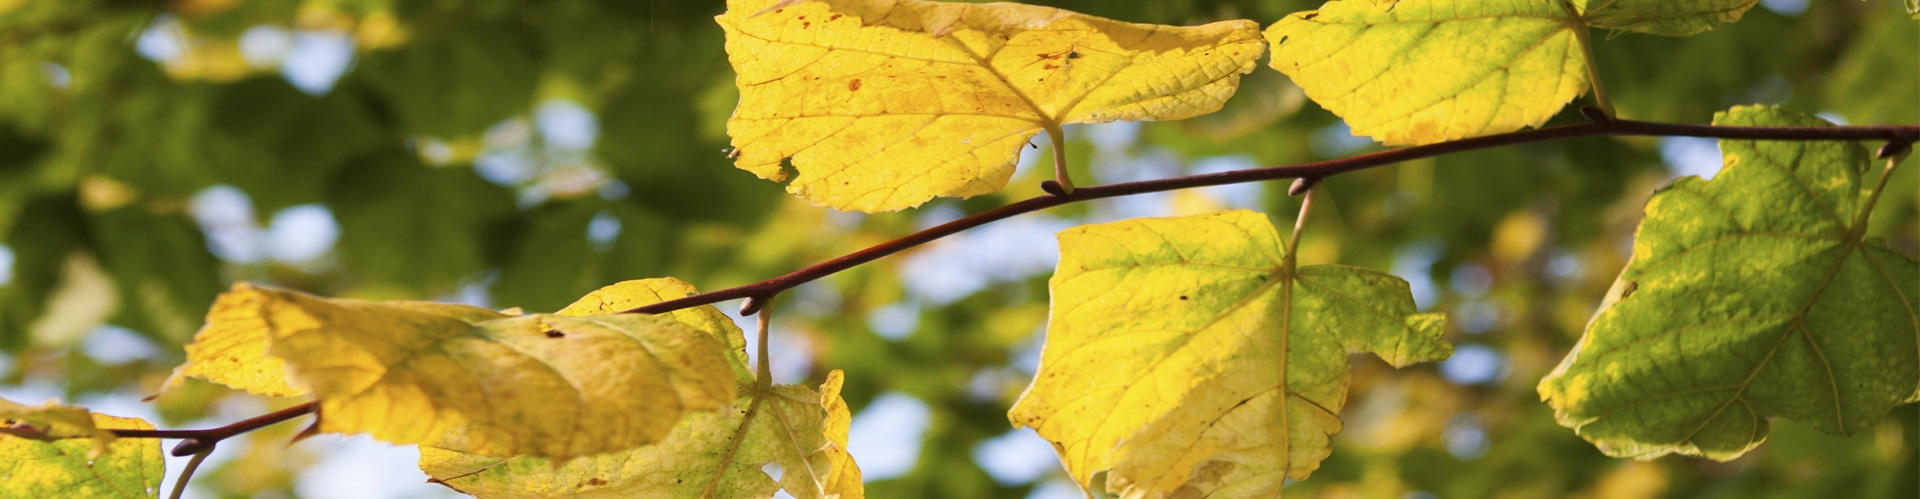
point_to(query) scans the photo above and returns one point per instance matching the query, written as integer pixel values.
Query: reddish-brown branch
(191, 441)
(1898, 138)
(194, 441)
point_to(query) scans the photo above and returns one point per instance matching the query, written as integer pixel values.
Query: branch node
(1053, 188)
(1595, 114)
(1893, 149)
(751, 305)
(1302, 185)
(191, 446)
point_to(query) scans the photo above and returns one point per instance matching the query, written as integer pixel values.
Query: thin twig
(180, 485)
(193, 441)
(1903, 134)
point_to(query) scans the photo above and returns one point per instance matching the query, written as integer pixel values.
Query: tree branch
(1599, 125)
(1899, 139)
(194, 441)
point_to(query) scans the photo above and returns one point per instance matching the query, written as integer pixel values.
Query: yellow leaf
(1189, 356)
(57, 421)
(627, 295)
(843, 475)
(102, 468)
(884, 104)
(463, 377)
(1426, 71)
(801, 430)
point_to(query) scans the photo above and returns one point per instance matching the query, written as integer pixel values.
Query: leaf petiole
(180, 485)
(1859, 228)
(1059, 138)
(762, 386)
(1299, 226)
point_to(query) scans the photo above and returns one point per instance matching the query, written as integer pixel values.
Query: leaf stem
(180, 485)
(1059, 138)
(762, 387)
(763, 368)
(1585, 36)
(1859, 228)
(1611, 127)
(1299, 225)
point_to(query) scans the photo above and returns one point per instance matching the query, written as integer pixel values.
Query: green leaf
(1749, 297)
(553, 259)
(43, 241)
(1872, 82)
(1662, 17)
(1426, 71)
(281, 146)
(1190, 356)
(403, 223)
(457, 80)
(77, 468)
(161, 267)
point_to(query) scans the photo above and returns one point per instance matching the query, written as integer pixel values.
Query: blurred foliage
(441, 153)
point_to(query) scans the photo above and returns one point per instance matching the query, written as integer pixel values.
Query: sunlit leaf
(54, 420)
(882, 105)
(1425, 71)
(1750, 296)
(797, 428)
(77, 468)
(636, 293)
(462, 377)
(1190, 356)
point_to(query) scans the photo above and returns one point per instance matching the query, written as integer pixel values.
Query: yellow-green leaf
(463, 377)
(627, 295)
(54, 420)
(1426, 71)
(1190, 356)
(882, 105)
(77, 468)
(1750, 296)
(802, 430)
(1662, 17)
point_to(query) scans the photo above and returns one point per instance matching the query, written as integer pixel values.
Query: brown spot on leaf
(596, 481)
(1050, 66)
(555, 334)
(853, 86)
(835, 17)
